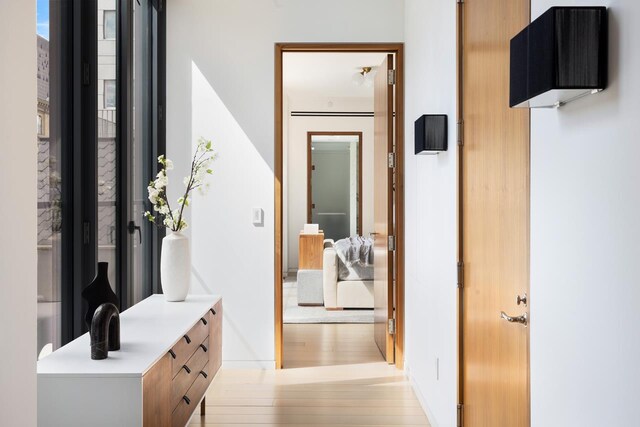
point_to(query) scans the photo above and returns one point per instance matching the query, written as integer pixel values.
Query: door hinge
(86, 74)
(460, 131)
(85, 232)
(460, 1)
(459, 415)
(460, 274)
(392, 326)
(391, 160)
(391, 77)
(392, 243)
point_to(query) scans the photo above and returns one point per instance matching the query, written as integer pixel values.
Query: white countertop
(147, 332)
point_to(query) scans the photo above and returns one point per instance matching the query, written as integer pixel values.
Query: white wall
(18, 263)
(221, 84)
(296, 163)
(585, 274)
(430, 262)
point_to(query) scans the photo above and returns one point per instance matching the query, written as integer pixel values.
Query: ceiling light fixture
(364, 77)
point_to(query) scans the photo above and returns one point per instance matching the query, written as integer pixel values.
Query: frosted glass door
(330, 189)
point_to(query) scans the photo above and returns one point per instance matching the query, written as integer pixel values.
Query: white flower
(161, 181)
(168, 222)
(156, 189)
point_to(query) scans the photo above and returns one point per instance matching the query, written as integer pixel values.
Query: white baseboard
(249, 364)
(420, 396)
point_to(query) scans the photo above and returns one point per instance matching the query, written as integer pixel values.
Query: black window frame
(78, 21)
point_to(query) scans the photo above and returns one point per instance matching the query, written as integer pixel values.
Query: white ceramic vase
(175, 266)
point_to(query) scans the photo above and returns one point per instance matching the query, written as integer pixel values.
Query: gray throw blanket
(355, 250)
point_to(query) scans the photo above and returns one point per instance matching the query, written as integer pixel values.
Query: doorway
(494, 220)
(388, 244)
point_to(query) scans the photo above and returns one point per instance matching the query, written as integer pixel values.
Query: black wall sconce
(431, 134)
(559, 57)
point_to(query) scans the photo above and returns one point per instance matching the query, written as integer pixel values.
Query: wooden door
(495, 220)
(383, 208)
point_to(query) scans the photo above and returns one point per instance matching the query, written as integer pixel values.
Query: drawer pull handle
(204, 347)
(186, 399)
(212, 311)
(203, 373)
(186, 368)
(172, 353)
(203, 321)
(186, 337)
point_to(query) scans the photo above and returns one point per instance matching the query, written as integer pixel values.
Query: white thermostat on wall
(257, 216)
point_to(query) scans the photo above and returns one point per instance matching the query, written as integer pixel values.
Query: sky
(42, 13)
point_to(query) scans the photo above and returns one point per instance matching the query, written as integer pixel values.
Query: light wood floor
(333, 376)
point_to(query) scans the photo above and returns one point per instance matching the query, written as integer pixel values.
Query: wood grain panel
(495, 220)
(215, 340)
(156, 394)
(310, 248)
(185, 348)
(195, 394)
(185, 379)
(383, 208)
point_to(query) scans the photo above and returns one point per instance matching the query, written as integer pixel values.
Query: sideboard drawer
(188, 374)
(191, 398)
(187, 345)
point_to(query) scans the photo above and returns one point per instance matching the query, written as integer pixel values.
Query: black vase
(99, 292)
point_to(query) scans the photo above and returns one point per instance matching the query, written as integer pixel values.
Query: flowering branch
(173, 219)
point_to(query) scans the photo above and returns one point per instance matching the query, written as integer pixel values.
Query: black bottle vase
(99, 292)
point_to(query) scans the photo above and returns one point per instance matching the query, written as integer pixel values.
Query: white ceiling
(321, 74)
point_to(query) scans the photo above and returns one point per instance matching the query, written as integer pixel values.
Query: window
(109, 95)
(109, 24)
(92, 174)
(52, 98)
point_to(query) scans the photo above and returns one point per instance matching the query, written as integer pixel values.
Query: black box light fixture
(561, 56)
(431, 134)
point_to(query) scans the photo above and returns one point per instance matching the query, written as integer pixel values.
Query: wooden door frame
(398, 50)
(459, 198)
(311, 134)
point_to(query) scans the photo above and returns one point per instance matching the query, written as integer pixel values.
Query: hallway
(336, 377)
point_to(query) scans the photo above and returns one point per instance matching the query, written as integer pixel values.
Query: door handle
(132, 227)
(523, 320)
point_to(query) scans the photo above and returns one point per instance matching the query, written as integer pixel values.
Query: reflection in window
(109, 94)
(107, 133)
(49, 184)
(109, 22)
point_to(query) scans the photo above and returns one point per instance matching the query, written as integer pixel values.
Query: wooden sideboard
(310, 248)
(170, 352)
